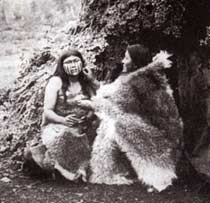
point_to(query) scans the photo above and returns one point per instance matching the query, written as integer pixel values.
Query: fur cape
(139, 118)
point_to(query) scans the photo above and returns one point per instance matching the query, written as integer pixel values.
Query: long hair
(65, 77)
(139, 54)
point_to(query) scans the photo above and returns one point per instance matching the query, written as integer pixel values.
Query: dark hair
(65, 77)
(139, 54)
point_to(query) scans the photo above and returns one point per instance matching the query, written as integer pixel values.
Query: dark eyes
(75, 60)
(72, 61)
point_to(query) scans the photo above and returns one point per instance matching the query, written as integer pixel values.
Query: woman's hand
(71, 120)
(86, 103)
(88, 73)
(80, 97)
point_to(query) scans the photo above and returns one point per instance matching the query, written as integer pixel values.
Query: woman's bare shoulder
(55, 83)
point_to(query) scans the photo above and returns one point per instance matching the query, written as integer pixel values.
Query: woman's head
(136, 56)
(69, 64)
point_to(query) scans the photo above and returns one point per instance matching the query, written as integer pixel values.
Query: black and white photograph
(104, 101)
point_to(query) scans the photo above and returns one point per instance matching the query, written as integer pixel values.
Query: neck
(73, 79)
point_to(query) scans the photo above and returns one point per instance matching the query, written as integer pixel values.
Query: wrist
(62, 120)
(93, 80)
(90, 78)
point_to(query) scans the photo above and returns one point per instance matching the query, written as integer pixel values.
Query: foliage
(23, 119)
(136, 15)
(206, 40)
(35, 12)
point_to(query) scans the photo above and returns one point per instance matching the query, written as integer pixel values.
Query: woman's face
(72, 65)
(127, 63)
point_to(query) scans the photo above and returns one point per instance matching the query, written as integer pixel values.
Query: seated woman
(65, 145)
(139, 119)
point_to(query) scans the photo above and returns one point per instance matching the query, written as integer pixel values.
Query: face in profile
(72, 65)
(127, 62)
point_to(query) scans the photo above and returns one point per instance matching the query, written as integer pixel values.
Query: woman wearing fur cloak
(65, 145)
(139, 118)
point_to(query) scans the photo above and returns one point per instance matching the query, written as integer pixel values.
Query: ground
(20, 187)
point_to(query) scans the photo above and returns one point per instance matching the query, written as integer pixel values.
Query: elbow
(47, 112)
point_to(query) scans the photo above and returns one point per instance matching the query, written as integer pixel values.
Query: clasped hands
(72, 120)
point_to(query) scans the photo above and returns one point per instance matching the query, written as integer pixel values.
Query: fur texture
(63, 148)
(139, 118)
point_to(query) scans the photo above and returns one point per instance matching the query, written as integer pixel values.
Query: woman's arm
(93, 82)
(51, 96)
(159, 62)
(50, 99)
